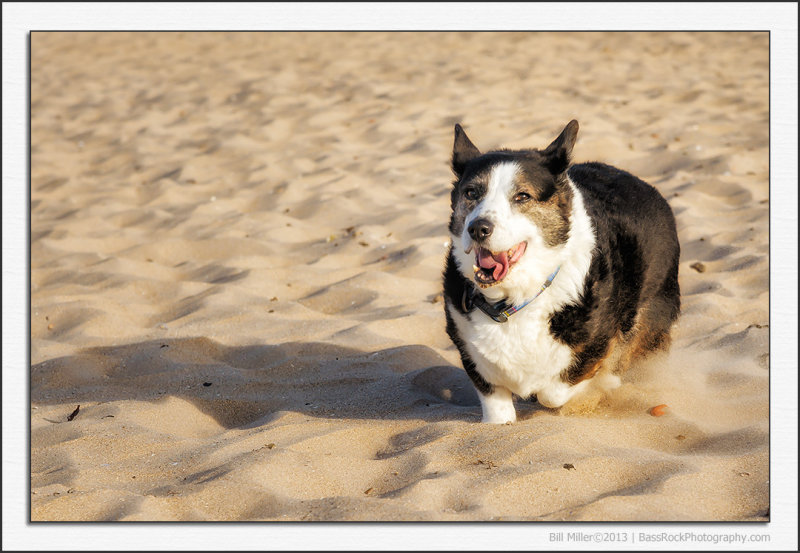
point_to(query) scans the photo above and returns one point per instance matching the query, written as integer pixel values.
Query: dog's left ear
(463, 151)
(559, 152)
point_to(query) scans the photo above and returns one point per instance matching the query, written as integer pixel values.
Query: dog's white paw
(498, 408)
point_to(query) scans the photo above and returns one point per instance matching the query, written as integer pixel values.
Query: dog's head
(510, 212)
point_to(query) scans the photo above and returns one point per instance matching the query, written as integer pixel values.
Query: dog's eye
(522, 197)
(471, 194)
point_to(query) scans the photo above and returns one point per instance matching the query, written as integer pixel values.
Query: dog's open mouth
(490, 267)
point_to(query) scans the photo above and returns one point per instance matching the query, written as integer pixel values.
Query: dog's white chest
(520, 354)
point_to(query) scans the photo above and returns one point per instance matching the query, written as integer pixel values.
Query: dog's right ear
(463, 151)
(559, 152)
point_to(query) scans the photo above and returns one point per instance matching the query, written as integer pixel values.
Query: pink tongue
(498, 262)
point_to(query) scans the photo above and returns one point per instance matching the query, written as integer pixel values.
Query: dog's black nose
(480, 229)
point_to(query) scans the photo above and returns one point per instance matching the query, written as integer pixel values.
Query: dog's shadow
(245, 387)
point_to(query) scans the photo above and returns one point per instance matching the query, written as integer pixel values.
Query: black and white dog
(554, 272)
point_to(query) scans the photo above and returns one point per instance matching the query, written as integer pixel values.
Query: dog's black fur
(634, 269)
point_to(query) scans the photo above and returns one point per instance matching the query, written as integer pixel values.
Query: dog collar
(500, 311)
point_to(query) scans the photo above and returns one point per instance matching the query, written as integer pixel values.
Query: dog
(555, 273)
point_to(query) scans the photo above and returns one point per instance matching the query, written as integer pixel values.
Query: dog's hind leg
(651, 333)
(655, 317)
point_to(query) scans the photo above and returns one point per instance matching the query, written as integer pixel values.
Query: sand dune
(236, 249)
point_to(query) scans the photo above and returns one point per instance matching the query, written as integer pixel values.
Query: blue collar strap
(499, 311)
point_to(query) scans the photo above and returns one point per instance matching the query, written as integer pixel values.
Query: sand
(236, 249)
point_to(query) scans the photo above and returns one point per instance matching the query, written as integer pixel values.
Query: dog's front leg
(498, 406)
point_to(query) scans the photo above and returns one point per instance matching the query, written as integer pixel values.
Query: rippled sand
(236, 249)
